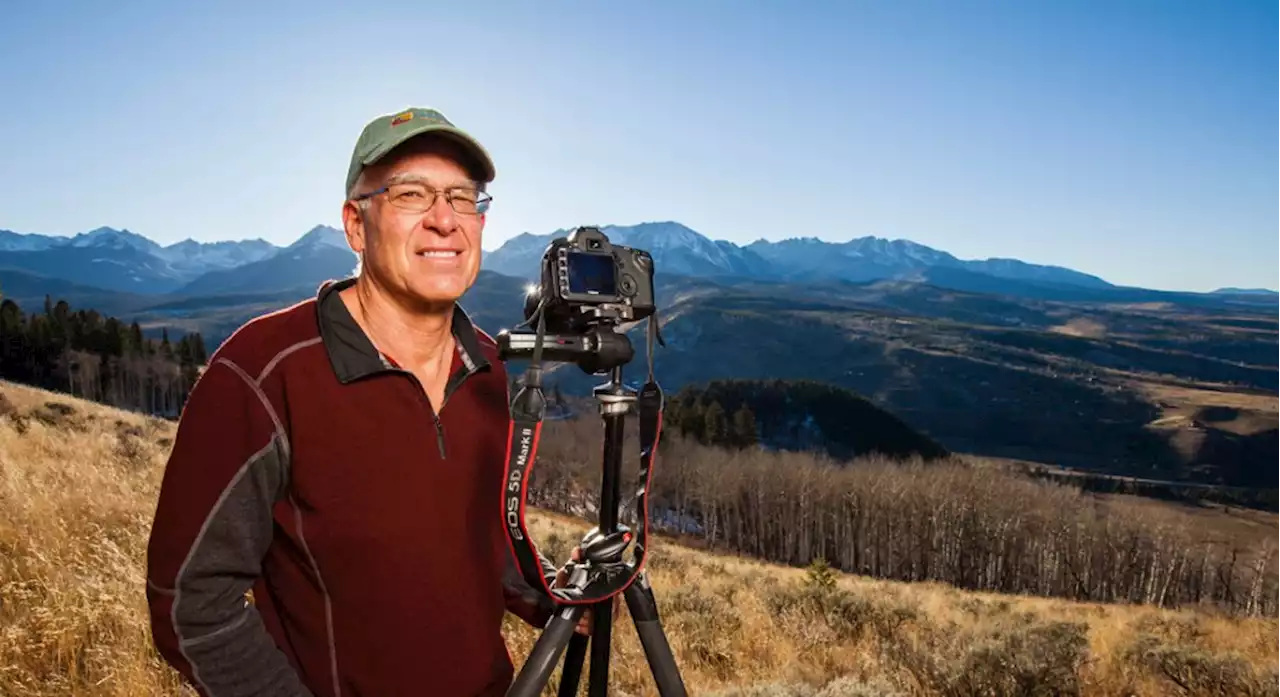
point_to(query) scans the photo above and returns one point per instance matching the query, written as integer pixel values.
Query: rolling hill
(1081, 386)
(793, 416)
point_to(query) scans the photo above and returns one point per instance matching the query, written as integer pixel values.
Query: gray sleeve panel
(530, 603)
(220, 633)
(514, 581)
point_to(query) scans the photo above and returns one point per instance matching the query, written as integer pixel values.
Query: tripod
(602, 561)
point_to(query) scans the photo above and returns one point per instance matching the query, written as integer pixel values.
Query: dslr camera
(587, 286)
(587, 280)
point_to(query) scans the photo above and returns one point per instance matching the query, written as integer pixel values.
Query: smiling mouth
(439, 253)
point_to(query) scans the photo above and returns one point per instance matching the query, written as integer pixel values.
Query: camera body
(586, 281)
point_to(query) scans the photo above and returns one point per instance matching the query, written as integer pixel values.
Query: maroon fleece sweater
(310, 470)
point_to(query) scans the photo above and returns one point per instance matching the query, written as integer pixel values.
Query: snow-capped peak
(322, 235)
(114, 239)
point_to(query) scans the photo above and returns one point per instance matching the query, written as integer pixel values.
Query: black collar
(353, 355)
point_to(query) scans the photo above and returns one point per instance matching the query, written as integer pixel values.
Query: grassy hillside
(77, 489)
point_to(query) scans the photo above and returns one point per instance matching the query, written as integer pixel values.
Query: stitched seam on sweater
(271, 364)
(324, 591)
(195, 544)
(266, 404)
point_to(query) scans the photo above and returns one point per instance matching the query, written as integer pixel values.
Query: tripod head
(598, 349)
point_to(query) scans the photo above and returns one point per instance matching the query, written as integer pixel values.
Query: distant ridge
(679, 250)
(122, 261)
(321, 254)
(1246, 291)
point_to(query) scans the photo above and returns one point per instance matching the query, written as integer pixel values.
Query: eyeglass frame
(483, 198)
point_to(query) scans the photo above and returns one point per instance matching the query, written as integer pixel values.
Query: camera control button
(627, 284)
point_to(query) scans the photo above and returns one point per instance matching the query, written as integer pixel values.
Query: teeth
(439, 254)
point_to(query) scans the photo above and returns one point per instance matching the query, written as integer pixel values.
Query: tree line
(969, 525)
(705, 420)
(98, 357)
(795, 415)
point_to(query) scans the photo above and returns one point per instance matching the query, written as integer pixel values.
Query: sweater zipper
(439, 433)
(435, 418)
(450, 387)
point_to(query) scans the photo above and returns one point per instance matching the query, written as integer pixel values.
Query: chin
(438, 291)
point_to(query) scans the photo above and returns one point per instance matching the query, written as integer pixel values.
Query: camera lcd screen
(591, 273)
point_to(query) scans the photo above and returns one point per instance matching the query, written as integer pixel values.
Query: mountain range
(126, 262)
(681, 251)
(996, 357)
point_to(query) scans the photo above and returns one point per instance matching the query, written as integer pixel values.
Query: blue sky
(1136, 139)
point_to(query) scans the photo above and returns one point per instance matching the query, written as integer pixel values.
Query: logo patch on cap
(402, 118)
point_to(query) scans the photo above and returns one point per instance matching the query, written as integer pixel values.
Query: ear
(353, 226)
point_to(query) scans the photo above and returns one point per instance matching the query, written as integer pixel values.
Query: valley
(1165, 394)
(995, 358)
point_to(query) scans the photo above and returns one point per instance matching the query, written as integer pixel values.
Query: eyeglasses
(419, 198)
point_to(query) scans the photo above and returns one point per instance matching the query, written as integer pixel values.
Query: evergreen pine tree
(744, 427)
(136, 344)
(199, 353)
(716, 425)
(820, 576)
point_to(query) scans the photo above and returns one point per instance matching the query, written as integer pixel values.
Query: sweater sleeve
(212, 527)
(530, 604)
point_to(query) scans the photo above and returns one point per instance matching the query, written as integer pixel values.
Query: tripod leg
(546, 652)
(572, 671)
(644, 611)
(601, 645)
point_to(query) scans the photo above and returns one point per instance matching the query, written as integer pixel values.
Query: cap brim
(471, 145)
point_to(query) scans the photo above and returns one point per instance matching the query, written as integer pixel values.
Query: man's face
(430, 258)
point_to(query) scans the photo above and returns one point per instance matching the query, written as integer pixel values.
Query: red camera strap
(601, 581)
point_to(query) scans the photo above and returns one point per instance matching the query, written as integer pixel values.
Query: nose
(440, 216)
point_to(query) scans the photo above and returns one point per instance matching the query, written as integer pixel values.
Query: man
(342, 459)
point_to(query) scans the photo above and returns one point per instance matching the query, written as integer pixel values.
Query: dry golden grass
(742, 627)
(1191, 415)
(77, 491)
(1082, 326)
(1182, 396)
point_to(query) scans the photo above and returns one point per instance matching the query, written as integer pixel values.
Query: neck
(414, 336)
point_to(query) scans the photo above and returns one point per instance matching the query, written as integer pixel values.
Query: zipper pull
(439, 435)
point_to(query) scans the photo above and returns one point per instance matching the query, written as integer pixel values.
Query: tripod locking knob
(600, 548)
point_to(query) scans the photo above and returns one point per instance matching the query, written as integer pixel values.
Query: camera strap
(589, 582)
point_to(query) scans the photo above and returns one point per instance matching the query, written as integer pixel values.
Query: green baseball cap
(385, 133)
